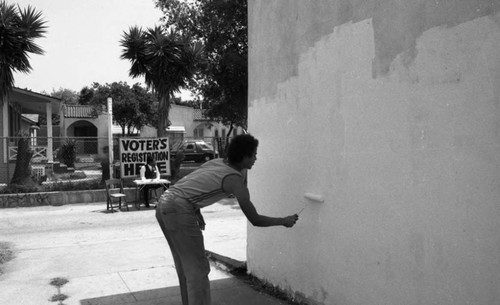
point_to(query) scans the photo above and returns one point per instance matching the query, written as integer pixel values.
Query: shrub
(21, 188)
(77, 175)
(53, 187)
(72, 186)
(67, 153)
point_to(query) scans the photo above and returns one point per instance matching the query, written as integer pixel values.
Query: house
(15, 120)
(189, 122)
(85, 123)
(30, 123)
(91, 128)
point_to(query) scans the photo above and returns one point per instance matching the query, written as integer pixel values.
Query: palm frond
(133, 44)
(18, 30)
(32, 22)
(134, 50)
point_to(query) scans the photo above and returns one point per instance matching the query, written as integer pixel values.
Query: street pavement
(115, 258)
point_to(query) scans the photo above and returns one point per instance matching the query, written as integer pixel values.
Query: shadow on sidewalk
(228, 291)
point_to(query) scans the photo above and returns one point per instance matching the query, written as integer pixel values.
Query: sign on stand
(134, 152)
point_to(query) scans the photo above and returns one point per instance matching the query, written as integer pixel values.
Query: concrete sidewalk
(114, 258)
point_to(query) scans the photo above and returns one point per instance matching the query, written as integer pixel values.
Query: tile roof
(199, 116)
(78, 111)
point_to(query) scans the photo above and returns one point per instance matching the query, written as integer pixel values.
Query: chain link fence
(72, 160)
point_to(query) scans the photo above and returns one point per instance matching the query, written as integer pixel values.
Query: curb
(229, 264)
(239, 270)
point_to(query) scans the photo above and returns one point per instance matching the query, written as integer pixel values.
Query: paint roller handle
(290, 221)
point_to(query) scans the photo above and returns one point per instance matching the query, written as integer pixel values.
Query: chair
(115, 193)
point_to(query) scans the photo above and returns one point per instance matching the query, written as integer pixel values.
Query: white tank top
(203, 187)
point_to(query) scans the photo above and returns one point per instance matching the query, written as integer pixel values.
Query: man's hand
(290, 221)
(201, 221)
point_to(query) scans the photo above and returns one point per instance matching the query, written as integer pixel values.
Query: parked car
(195, 150)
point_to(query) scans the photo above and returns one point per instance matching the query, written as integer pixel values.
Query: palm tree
(167, 60)
(18, 30)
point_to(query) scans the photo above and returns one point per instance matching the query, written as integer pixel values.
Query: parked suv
(195, 150)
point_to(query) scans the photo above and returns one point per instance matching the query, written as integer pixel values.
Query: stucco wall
(390, 110)
(100, 123)
(182, 116)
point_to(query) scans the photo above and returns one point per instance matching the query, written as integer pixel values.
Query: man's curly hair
(241, 146)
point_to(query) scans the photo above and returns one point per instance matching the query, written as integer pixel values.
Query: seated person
(149, 171)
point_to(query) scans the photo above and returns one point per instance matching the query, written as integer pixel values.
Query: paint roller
(317, 198)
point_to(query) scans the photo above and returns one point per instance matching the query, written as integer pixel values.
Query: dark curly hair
(241, 146)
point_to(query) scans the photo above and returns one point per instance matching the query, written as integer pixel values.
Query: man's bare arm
(234, 185)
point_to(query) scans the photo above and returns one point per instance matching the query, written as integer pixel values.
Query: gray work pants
(179, 224)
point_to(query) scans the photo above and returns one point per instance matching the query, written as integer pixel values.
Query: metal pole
(50, 141)
(5, 130)
(110, 136)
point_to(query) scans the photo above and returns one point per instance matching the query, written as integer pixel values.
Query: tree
(166, 59)
(87, 94)
(195, 103)
(222, 26)
(148, 105)
(67, 96)
(18, 30)
(22, 171)
(67, 152)
(132, 107)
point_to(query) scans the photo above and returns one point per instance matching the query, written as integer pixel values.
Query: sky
(82, 42)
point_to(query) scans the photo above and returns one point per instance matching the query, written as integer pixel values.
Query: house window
(223, 132)
(198, 133)
(33, 136)
(217, 133)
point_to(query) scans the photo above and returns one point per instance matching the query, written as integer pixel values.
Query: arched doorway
(86, 136)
